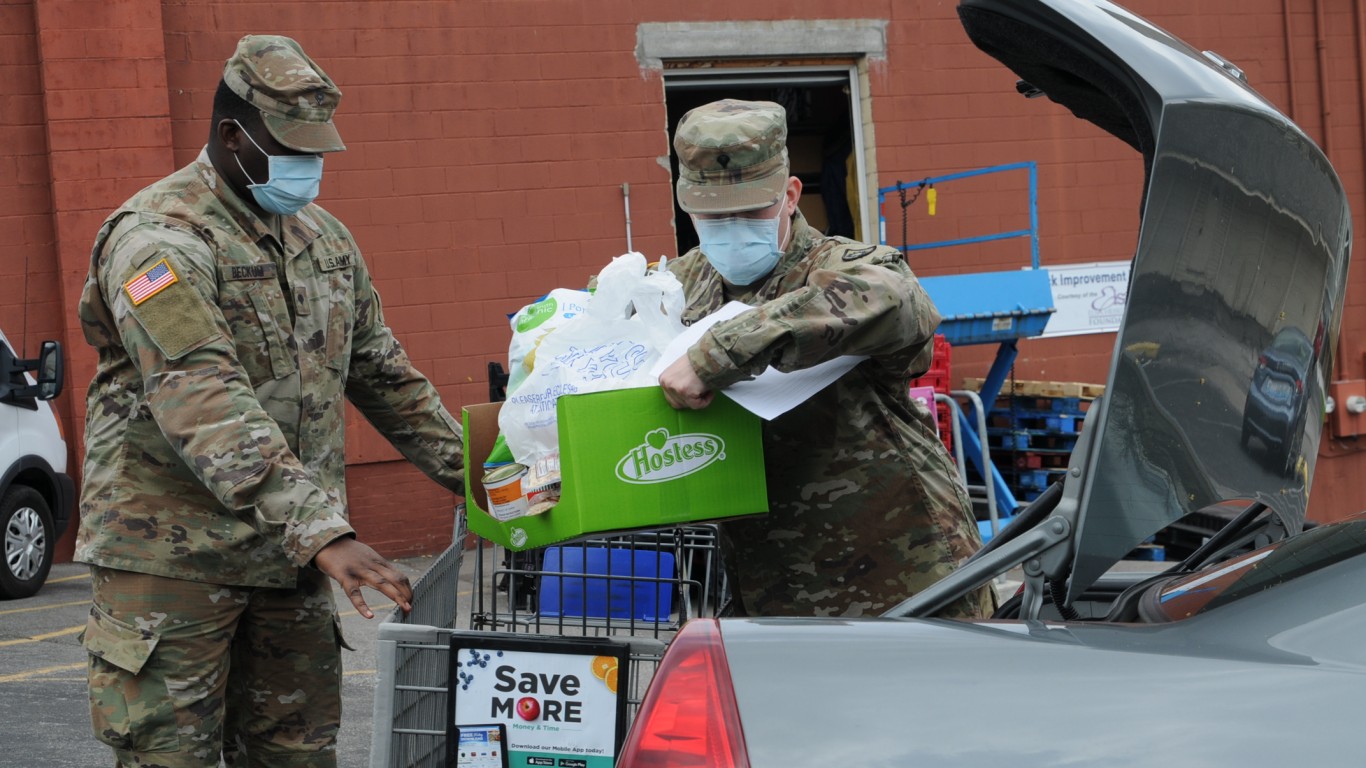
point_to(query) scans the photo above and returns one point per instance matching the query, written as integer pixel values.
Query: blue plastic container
(625, 586)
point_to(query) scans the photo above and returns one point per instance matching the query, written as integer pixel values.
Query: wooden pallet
(1044, 388)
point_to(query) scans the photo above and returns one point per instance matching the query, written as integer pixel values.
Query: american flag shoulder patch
(151, 282)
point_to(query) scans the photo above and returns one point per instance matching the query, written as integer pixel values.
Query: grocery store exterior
(501, 148)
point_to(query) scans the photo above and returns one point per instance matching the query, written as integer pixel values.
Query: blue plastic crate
(625, 587)
(1063, 404)
(1063, 424)
(1008, 440)
(1033, 479)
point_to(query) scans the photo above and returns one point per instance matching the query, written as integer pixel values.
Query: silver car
(1248, 652)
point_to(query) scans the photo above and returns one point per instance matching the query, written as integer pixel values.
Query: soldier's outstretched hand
(354, 565)
(682, 387)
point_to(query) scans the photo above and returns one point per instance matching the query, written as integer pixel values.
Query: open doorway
(824, 142)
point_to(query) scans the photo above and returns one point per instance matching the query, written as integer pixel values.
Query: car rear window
(1295, 345)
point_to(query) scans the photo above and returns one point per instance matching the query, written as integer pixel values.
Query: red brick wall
(489, 139)
(105, 105)
(397, 510)
(30, 304)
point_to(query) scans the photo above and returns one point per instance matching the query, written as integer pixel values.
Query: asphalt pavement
(44, 709)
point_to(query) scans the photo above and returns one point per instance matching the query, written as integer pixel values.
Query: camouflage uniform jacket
(865, 508)
(214, 431)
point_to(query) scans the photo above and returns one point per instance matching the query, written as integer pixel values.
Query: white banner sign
(1089, 298)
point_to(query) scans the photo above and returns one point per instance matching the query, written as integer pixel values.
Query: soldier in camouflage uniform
(865, 508)
(231, 316)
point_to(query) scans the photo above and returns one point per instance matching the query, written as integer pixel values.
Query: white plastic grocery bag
(612, 345)
(533, 322)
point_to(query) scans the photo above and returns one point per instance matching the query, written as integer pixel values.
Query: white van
(36, 493)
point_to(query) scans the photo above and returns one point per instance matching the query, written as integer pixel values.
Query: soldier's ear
(229, 134)
(794, 191)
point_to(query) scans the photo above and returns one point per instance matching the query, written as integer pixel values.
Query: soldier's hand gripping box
(628, 461)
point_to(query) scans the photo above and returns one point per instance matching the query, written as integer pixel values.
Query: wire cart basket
(638, 587)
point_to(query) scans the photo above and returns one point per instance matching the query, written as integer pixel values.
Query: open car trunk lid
(1245, 237)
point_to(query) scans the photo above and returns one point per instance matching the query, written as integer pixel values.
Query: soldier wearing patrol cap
(233, 318)
(865, 508)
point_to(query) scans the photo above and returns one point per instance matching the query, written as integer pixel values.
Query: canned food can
(503, 486)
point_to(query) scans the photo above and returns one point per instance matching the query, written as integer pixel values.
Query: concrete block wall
(488, 142)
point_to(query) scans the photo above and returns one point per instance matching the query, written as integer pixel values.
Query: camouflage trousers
(823, 551)
(823, 579)
(183, 674)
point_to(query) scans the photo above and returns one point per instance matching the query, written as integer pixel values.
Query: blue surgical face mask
(743, 250)
(294, 180)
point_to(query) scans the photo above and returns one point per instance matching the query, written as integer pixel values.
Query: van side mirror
(48, 370)
(51, 372)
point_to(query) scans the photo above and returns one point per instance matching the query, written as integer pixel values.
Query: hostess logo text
(663, 457)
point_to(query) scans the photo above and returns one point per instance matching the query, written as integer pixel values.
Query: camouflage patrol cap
(732, 156)
(295, 96)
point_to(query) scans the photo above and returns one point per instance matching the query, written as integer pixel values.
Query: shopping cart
(638, 587)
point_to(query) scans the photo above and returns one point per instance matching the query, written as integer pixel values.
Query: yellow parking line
(359, 672)
(39, 672)
(44, 607)
(81, 577)
(40, 638)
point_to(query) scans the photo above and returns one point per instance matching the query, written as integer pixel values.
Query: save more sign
(558, 699)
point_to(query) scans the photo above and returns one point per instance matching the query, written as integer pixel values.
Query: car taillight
(689, 716)
(1261, 360)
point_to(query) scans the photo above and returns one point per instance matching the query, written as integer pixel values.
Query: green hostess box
(628, 461)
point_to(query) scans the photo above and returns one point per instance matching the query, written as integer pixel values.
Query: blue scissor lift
(986, 308)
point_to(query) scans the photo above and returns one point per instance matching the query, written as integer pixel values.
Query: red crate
(942, 352)
(938, 379)
(945, 426)
(938, 374)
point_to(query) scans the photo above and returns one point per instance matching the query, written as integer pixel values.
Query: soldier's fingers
(393, 585)
(674, 400)
(697, 401)
(358, 601)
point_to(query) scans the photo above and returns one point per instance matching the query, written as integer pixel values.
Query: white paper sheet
(773, 392)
